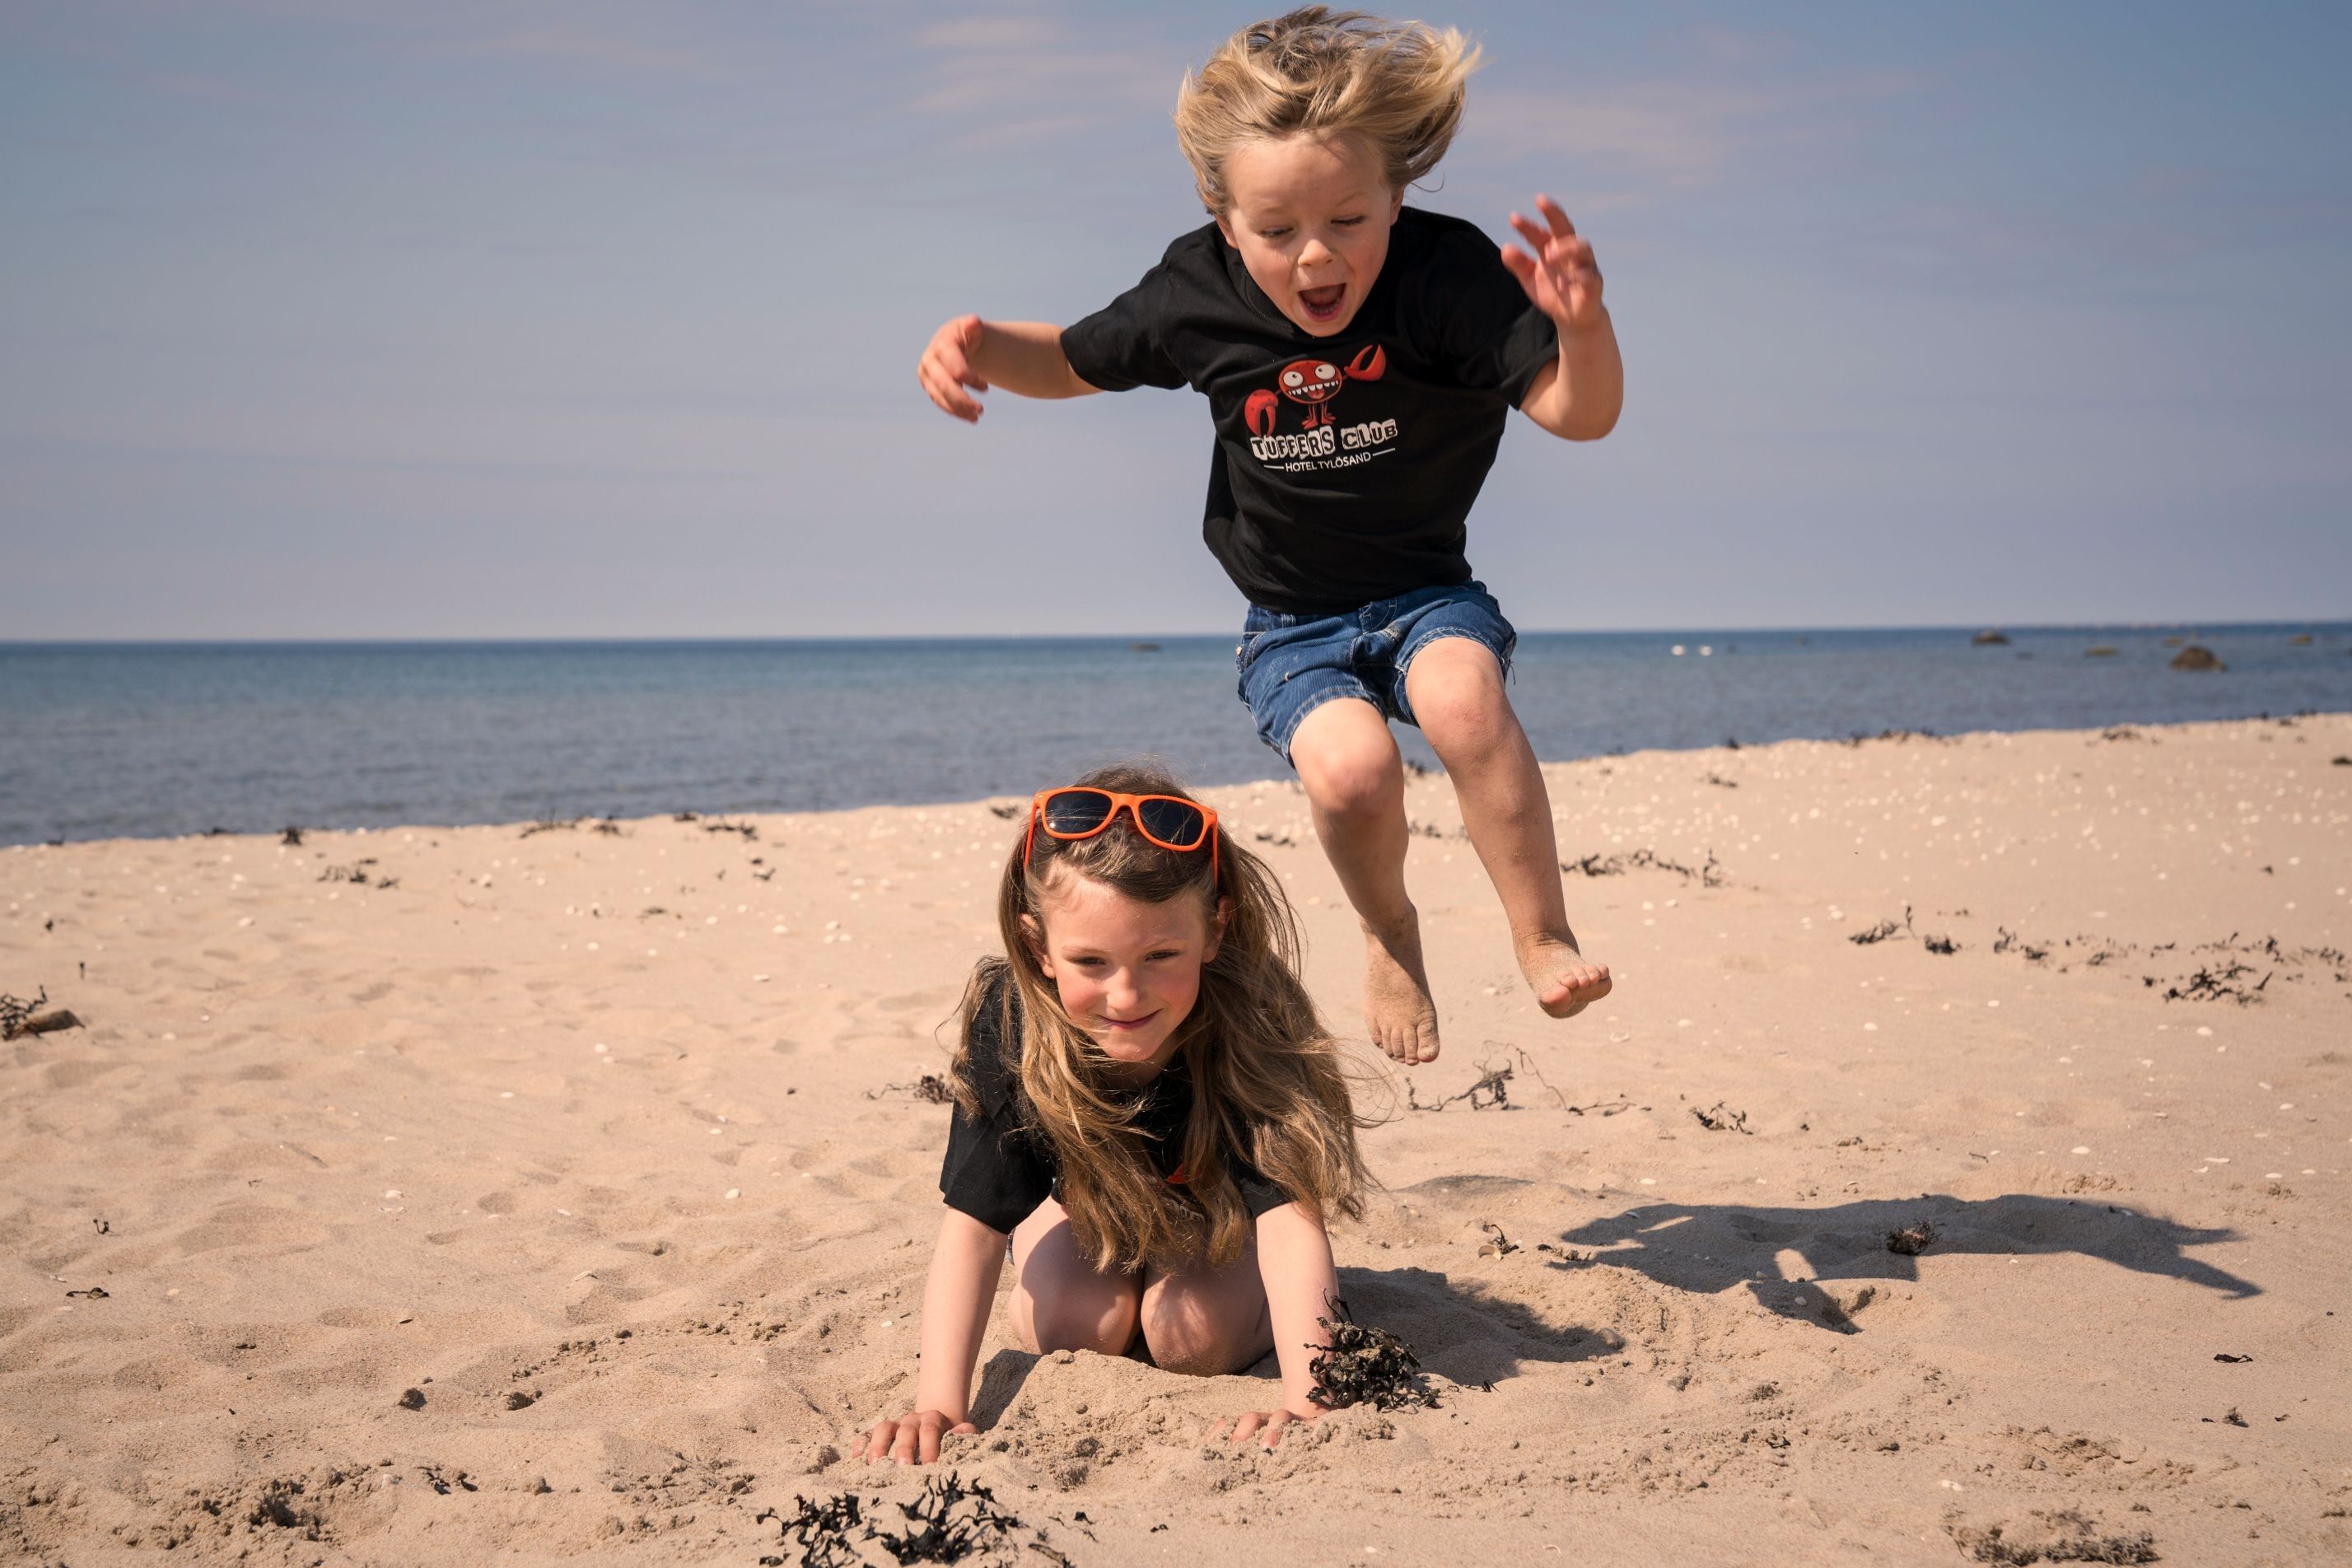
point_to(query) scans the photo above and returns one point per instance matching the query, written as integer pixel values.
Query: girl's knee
(1193, 1337)
(1192, 1356)
(1105, 1327)
(1187, 1350)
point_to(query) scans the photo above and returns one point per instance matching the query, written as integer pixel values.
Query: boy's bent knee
(1458, 701)
(1354, 788)
(1465, 728)
(1349, 764)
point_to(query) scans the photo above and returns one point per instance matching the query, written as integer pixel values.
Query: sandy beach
(450, 1196)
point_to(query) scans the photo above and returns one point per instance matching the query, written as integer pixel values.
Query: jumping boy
(1361, 358)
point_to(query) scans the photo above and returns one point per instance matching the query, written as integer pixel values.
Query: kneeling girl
(1147, 1105)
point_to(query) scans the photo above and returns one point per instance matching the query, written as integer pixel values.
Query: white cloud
(1027, 69)
(580, 47)
(1668, 132)
(992, 33)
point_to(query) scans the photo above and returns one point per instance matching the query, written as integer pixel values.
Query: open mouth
(1323, 304)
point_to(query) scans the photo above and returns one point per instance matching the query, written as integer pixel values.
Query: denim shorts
(1292, 664)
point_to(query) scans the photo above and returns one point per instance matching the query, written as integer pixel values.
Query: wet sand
(450, 1195)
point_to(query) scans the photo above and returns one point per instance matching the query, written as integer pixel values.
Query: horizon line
(672, 640)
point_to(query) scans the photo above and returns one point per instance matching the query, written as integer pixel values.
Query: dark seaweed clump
(1366, 1365)
(16, 1012)
(1721, 1118)
(1491, 1092)
(822, 1532)
(950, 1520)
(2062, 1537)
(1912, 1239)
(931, 1089)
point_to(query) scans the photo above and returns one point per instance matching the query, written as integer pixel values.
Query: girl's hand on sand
(1266, 1425)
(912, 1440)
(945, 369)
(1561, 278)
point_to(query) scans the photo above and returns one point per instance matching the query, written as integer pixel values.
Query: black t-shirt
(1345, 466)
(999, 1167)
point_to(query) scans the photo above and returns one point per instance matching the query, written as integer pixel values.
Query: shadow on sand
(1471, 1336)
(1707, 1248)
(1458, 1330)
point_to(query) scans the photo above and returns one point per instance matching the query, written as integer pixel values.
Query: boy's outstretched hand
(912, 1440)
(1561, 278)
(945, 369)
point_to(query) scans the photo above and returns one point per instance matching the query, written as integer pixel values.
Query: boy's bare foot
(1565, 981)
(1403, 1020)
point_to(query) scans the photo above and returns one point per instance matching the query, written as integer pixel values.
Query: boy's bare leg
(1354, 778)
(1455, 688)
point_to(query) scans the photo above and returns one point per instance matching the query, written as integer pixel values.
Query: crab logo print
(1315, 383)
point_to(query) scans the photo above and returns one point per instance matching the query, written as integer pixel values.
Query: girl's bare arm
(965, 1262)
(1294, 1259)
(1020, 356)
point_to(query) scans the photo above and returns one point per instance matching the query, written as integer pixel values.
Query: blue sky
(333, 319)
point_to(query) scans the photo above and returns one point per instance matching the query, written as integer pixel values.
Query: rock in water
(1989, 638)
(2194, 657)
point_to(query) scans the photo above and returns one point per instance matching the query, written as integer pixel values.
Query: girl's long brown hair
(1269, 1085)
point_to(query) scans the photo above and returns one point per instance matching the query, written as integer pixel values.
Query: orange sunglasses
(1082, 811)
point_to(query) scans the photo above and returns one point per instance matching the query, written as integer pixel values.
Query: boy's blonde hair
(1398, 85)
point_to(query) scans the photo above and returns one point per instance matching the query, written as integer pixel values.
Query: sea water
(101, 741)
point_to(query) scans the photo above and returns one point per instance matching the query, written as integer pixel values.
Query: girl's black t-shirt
(1000, 1167)
(1344, 466)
